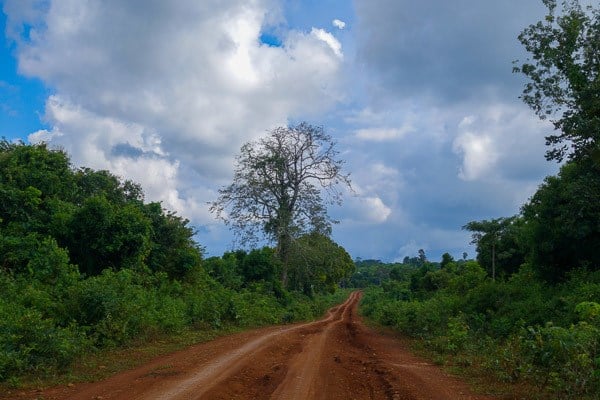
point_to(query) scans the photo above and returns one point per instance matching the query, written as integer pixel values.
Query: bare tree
(281, 186)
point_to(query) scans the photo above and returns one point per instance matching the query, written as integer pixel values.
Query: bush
(30, 343)
(116, 307)
(505, 325)
(566, 360)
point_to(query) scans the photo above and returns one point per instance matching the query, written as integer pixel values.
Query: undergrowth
(535, 338)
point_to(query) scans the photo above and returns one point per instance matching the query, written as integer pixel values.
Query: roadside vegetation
(527, 310)
(540, 338)
(87, 266)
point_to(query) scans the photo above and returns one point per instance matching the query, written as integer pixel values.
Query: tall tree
(498, 245)
(278, 187)
(564, 77)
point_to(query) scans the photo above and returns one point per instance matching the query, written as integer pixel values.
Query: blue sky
(420, 98)
(21, 99)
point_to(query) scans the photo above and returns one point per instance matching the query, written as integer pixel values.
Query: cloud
(376, 210)
(369, 210)
(419, 96)
(442, 50)
(502, 141)
(381, 134)
(43, 135)
(338, 23)
(167, 93)
(328, 38)
(144, 161)
(478, 150)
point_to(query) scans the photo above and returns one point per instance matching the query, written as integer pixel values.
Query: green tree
(49, 171)
(260, 264)
(103, 183)
(104, 235)
(446, 260)
(498, 244)
(20, 209)
(32, 179)
(564, 77)
(563, 221)
(224, 270)
(278, 187)
(318, 264)
(422, 257)
(172, 246)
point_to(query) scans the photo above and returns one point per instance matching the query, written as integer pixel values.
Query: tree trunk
(494, 262)
(283, 250)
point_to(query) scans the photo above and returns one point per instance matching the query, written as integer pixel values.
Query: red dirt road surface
(334, 358)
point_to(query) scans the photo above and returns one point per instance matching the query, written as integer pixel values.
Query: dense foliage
(520, 329)
(558, 229)
(99, 220)
(86, 264)
(563, 221)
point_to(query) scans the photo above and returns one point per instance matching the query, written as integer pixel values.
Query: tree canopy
(318, 264)
(563, 222)
(100, 220)
(564, 77)
(498, 244)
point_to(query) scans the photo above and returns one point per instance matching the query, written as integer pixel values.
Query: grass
(95, 366)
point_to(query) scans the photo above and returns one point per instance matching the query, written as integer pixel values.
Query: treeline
(87, 264)
(528, 309)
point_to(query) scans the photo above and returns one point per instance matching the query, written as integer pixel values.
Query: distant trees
(558, 229)
(239, 268)
(446, 260)
(318, 264)
(278, 185)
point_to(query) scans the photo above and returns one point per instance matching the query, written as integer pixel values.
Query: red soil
(337, 357)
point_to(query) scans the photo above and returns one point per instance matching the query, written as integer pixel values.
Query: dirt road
(334, 358)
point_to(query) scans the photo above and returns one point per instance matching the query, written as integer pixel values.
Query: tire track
(196, 385)
(300, 381)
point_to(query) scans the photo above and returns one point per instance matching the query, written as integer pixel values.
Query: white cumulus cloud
(478, 150)
(166, 94)
(375, 210)
(338, 23)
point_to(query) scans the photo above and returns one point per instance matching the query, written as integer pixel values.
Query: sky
(419, 96)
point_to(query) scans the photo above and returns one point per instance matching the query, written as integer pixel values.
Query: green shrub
(116, 307)
(565, 360)
(254, 308)
(30, 343)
